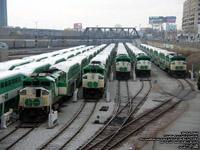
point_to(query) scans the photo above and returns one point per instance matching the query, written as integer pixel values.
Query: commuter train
(173, 63)
(11, 83)
(141, 61)
(48, 88)
(123, 63)
(95, 74)
(14, 72)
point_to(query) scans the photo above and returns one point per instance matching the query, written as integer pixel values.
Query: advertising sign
(156, 20)
(170, 19)
(77, 25)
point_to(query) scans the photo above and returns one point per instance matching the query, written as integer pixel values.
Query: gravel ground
(163, 87)
(40, 135)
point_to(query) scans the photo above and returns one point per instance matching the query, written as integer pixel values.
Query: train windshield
(143, 58)
(123, 59)
(178, 59)
(45, 83)
(27, 83)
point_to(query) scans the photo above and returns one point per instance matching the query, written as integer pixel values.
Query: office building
(3, 13)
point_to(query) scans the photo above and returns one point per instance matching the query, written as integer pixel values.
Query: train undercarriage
(33, 114)
(143, 73)
(93, 93)
(178, 74)
(122, 75)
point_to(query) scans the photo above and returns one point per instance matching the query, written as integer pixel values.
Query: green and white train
(123, 63)
(10, 84)
(141, 61)
(94, 75)
(173, 63)
(47, 88)
(11, 81)
(42, 90)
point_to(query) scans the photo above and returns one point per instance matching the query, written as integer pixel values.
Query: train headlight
(45, 92)
(23, 92)
(173, 63)
(100, 77)
(149, 62)
(84, 77)
(184, 63)
(138, 62)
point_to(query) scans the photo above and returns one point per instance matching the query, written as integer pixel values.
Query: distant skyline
(61, 14)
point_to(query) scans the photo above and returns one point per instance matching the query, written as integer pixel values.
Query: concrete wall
(181, 46)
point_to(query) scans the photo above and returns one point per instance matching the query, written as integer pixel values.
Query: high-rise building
(3, 13)
(191, 16)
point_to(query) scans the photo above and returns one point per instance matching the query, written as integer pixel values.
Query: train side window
(9, 82)
(2, 85)
(6, 83)
(19, 79)
(13, 81)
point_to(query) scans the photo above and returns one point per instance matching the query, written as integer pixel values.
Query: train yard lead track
(142, 120)
(21, 131)
(82, 113)
(100, 140)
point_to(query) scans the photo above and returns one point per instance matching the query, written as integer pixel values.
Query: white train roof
(36, 57)
(102, 57)
(65, 66)
(28, 69)
(8, 74)
(52, 60)
(136, 50)
(78, 59)
(165, 52)
(121, 50)
(8, 64)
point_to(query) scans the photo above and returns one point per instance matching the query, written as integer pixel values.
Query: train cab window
(13, 81)
(2, 85)
(36, 83)
(100, 71)
(38, 92)
(45, 83)
(26, 83)
(93, 70)
(86, 70)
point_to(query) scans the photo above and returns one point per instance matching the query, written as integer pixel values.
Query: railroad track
(126, 111)
(142, 120)
(20, 132)
(72, 129)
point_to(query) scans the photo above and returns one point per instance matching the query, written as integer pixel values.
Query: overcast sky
(60, 14)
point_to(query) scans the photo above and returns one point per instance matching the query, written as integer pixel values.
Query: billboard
(156, 20)
(77, 25)
(170, 19)
(161, 19)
